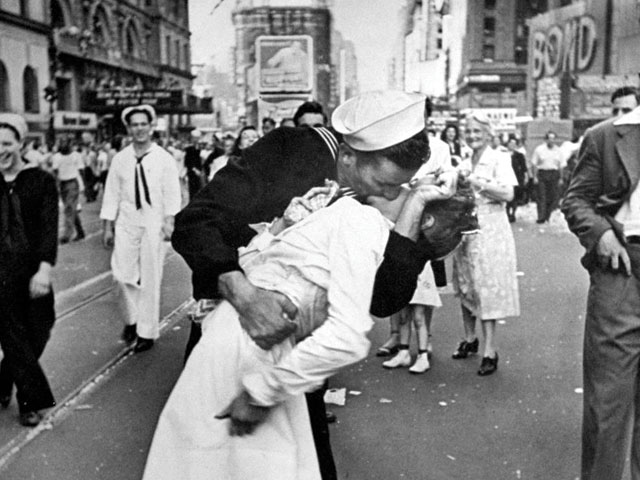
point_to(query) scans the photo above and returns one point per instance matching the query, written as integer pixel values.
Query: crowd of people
(279, 225)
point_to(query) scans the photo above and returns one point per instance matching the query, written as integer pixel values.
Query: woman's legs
(470, 343)
(422, 322)
(390, 347)
(403, 357)
(489, 332)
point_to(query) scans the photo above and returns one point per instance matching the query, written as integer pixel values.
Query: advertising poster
(285, 63)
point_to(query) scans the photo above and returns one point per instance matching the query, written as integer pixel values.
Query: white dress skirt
(191, 444)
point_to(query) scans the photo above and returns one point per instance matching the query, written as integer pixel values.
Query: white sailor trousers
(136, 264)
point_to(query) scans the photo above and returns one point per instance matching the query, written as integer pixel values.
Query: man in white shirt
(141, 198)
(546, 164)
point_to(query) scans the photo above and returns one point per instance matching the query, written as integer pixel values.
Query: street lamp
(51, 95)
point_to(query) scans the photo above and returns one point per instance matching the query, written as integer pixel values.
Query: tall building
(488, 54)
(424, 54)
(24, 61)
(283, 56)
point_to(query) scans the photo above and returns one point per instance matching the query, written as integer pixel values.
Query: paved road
(523, 422)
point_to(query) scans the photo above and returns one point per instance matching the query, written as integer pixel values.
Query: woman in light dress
(326, 264)
(484, 266)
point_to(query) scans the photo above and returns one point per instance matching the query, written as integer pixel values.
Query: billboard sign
(285, 63)
(66, 120)
(113, 99)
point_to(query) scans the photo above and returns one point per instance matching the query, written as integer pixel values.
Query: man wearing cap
(141, 198)
(377, 145)
(28, 250)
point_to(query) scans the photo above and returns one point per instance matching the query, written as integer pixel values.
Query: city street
(523, 422)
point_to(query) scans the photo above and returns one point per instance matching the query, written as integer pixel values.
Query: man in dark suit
(602, 208)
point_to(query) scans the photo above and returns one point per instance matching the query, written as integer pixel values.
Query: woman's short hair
(482, 119)
(453, 218)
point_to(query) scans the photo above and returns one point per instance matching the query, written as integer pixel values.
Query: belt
(633, 239)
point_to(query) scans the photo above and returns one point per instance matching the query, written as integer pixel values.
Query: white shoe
(421, 364)
(402, 359)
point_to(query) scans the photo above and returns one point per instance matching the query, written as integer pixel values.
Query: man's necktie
(147, 197)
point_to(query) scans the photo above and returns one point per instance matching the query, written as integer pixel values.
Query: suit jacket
(607, 173)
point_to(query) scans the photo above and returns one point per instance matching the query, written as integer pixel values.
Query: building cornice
(25, 23)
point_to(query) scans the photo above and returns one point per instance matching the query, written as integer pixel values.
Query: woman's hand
(316, 198)
(244, 415)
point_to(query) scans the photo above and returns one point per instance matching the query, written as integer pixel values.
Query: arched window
(131, 41)
(57, 15)
(100, 27)
(4, 89)
(31, 90)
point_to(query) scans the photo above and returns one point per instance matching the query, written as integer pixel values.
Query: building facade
(286, 53)
(580, 53)
(492, 65)
(86, 60)
(24, 60)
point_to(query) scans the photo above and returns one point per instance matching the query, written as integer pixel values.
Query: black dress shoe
(488, 365)
(5, 400)
(465, 349)
(30, 419)
(331, 417)
(143, 344)
(129, 333)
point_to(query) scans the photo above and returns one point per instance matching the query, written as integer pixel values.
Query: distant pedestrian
(547, 163)
(451, 136)
(623, 100)
(246, 137)
(268, 124)
(67, 167)
(28, 250)
(141, 197)
(310, 114)
(193, 164)
(601, 208)
(519, 165)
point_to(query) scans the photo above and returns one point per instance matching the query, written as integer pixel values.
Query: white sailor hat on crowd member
(379, 119)
(138, 108)
(15, 122)
(196, 134)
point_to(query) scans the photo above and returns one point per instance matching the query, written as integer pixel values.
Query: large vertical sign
(285, 63)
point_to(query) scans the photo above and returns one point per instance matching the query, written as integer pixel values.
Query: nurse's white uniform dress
(326, 264)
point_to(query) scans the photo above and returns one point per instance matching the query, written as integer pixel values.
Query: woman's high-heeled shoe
(488, 365)
(390, 347)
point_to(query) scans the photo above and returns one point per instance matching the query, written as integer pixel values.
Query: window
(177, 54)
(4, 89)
(489, 4)
(186, 56)
(489, 27)
(167, 41)
(131, 41)
(31, 91)
(488, 52)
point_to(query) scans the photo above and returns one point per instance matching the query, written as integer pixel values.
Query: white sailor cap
(15, 122)
(148, 109)
(379, 119)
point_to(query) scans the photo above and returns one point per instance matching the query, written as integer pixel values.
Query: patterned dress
(484, 266)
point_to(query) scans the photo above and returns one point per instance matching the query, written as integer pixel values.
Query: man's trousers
(548, 190)
(137, 264)
(611, 373)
